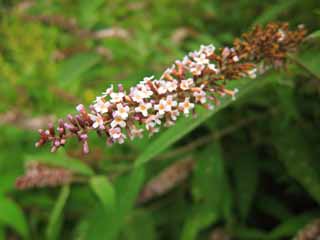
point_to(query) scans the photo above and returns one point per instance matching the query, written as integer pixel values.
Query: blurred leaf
(291, 226)
(61, 159)
(246, 174)
(56, 215)
(209, 191)
(294, 153)
(7, 182)
(246, 233)
(186, 125)
(107, 223)
(73, 68)
(274, 11)
(2, 233)
(314, 35)
(104, 190)
(200, 218)
(12, 215)
(139, 226)
(273, 207)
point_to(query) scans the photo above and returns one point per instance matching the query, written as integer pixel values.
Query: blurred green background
(256, 162)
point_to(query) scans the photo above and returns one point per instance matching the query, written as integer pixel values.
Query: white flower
(122, 111)
(208, 50)
(186, 106)
(101, 106)
(136, 95)
(174, 114)
(143, 108)
(147, 79)
(252, 73)
(235, 58)
(186, 84)
(202, 59)
(196, 69)
(108, 91)
(80, 107)
(163, 107)
(200, 96)
(235, 91)
(172, 85)
(117, 135)
(170, 102)
(116, 97)
(213, 67)
(162, 89)
(118, 121)
(97, 121)
(282, 35)
(140, 92)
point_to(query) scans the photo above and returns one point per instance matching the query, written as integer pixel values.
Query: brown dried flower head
(41, 175)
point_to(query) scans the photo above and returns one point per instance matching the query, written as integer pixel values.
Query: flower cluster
(198, 79)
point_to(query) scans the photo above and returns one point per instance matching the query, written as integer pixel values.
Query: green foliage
(56, 215)
(12, 215)
(256, 167)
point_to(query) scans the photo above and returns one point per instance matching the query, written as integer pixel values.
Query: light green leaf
(290, 227)
(12, 215)
(186, 125)
(104, 190)
(56, 215)
(73, 68)
(61, 159)
(314, 35)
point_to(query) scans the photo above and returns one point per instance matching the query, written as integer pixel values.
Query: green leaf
(314, 35)
(209, 191)
(104, 190)
(71, 69)
(290, 227)
(12, 215)
(107, 223)
(294, 153)
(245, 233)
(273, 207)
(199, 219)
(61, 159)
(56, 215)
(139, 226)
(2, 233)
(186, 125)
(7, 182)
(246, 171)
